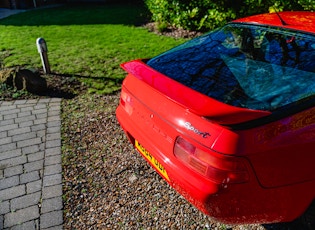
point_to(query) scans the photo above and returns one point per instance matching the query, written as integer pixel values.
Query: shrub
(307, 4)
(204, 15)
(250, 7)
(192, 15)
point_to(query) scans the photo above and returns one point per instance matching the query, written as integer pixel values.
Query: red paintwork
(279, 156)
(303, 20)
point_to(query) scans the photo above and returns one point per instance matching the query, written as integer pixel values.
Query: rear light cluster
(126, 102)
(216, 167)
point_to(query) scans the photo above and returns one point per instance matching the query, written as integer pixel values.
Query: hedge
(204, 15)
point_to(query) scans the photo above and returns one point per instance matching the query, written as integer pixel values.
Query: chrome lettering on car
(190, 127)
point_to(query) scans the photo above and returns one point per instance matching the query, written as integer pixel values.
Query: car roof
(297, 20)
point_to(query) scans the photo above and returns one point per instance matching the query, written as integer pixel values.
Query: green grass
(86, 40)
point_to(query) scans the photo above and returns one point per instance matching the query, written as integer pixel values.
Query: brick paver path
(30, 165)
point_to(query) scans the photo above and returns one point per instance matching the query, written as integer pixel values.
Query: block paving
(30, 164)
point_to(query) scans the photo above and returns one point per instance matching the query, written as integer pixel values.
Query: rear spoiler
(194, 101)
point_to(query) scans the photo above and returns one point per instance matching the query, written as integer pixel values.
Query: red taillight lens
(126, 101)
(216, 167)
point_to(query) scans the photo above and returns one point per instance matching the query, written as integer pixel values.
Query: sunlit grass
(86, 40)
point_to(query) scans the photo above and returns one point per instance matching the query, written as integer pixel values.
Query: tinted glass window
(246, 66)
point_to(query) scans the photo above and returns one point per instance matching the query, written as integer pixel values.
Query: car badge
(190, 127)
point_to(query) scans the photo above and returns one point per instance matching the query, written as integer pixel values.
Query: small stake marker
(42, 50)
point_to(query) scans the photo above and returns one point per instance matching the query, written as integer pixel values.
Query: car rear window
(247, 66)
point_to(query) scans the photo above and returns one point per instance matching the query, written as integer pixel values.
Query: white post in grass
(42, 50)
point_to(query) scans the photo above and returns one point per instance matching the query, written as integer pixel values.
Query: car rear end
(201, 159)
(162, 131)
(213, 149)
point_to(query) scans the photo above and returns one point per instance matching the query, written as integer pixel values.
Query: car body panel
(284, 153)
(303, 20)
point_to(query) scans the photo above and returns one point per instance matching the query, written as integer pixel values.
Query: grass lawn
(85, 40)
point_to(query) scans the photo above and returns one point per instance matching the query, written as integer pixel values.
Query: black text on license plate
(157, 165)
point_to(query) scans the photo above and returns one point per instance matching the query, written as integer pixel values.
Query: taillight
(216, 167)
(126, 101)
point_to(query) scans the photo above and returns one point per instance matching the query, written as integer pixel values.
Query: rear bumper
(228, 203)
(180, 178)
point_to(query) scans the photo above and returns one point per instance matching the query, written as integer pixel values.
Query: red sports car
(228, 118)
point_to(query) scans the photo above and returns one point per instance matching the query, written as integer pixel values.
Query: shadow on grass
(68, 86)
(81, 14)
(117, 80)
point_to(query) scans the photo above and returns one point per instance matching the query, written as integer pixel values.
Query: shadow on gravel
(64, 86)
(283, 226)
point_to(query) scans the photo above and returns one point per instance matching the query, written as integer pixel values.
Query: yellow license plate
(157, 165)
